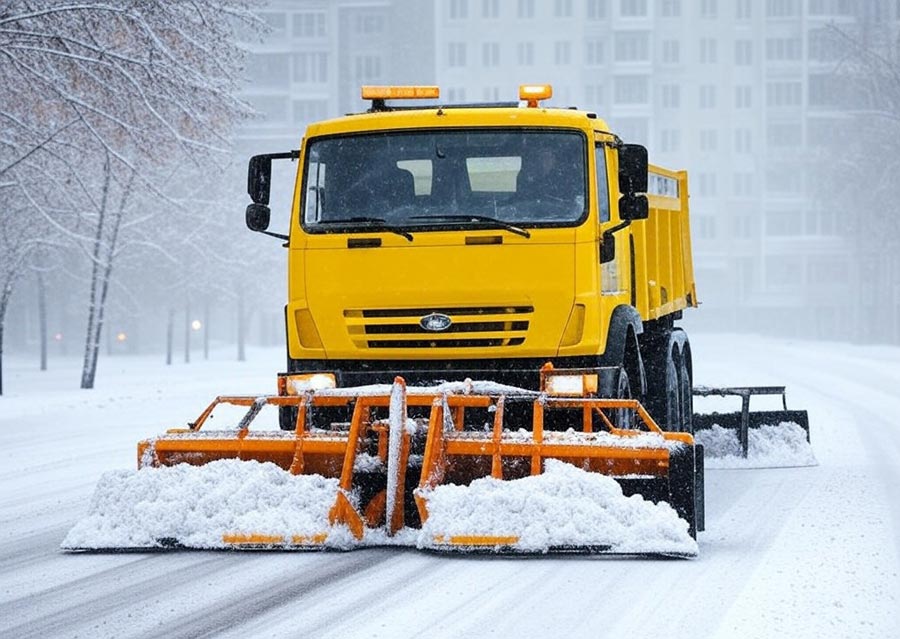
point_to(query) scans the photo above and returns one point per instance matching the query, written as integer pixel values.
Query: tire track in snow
(65, 608)
(287, 587)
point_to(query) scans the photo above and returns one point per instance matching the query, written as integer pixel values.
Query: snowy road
(791, 552)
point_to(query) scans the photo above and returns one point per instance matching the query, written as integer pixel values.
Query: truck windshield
(443, 179)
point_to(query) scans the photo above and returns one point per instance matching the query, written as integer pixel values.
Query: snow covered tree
(95, 95)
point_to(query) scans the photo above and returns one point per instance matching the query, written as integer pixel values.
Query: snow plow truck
(481, 298)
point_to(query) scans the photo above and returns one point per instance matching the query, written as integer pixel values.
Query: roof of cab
(438, 117)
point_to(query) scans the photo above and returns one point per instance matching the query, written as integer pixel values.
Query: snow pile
(770, 446)
(564, 506)
(196, 505)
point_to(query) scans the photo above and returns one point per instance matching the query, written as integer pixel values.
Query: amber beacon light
(400, 92)
(531, 93)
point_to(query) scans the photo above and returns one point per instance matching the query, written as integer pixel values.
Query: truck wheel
(672, 404)
(686, 397)
(618, 387)
(663, 393)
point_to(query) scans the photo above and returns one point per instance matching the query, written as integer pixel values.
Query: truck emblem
(435, 322)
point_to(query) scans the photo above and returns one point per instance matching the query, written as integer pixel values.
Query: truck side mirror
(633, 207)
(259, 178)
(633, 169)
(257, 217)
(607, 248)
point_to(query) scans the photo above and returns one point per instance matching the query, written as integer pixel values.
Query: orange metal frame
(334, 453)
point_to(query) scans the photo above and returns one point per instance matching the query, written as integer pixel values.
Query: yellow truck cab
(444, 242)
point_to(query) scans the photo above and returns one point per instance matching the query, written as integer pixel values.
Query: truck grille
(471, 327)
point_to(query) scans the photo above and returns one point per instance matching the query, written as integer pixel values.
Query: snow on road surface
(789, 552)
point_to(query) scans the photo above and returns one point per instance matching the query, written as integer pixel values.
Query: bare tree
(94, 95)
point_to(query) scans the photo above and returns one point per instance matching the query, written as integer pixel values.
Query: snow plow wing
(449, 468)
(741, 422)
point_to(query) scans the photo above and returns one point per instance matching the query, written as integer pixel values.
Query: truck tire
(668, 379)
(686, 397)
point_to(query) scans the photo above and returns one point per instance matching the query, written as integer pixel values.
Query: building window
(783, 94)
(459, 9)
(526, 9)
(309, 24)
(311, 68)
(562, 8)
(743, 9)
(670, 8)
(562, 52)
(596, 9)
(633, 8)
(743, 52)
(632, 46)
(704, 226)
(782, 8)
(490, 8)
(593, 53)
(631, 89)
(707, 96)
(743, 97)
(707, 184)
(708, 8)
(671, 96)
(669, 140)
(778, 49)
(490, 54)
(456, 95)
(369, 24)
(832, 7)
(525, 53)
(367, 67)
(310, 111)
(671, 52)
(709, 139)
(743, 140)
(708, 52)
(632, 129)
(491, 94)
(456, 54)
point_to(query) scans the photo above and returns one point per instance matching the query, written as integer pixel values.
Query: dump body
(361, 294)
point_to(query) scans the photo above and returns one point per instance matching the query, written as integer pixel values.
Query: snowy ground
(794, 552)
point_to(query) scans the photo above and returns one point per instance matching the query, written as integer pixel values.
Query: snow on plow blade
(440, 468)
(742, 421)
(501, 490)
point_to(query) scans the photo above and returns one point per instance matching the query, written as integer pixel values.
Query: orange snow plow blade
(363, 465)
(454, 455)
(303, 451)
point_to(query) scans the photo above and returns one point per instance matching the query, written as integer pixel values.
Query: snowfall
(799, 541)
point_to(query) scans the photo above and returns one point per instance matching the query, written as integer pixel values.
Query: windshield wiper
(494, 222)
(375, 223)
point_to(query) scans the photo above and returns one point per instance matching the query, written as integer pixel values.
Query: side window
(315, 189)
(602, 182)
